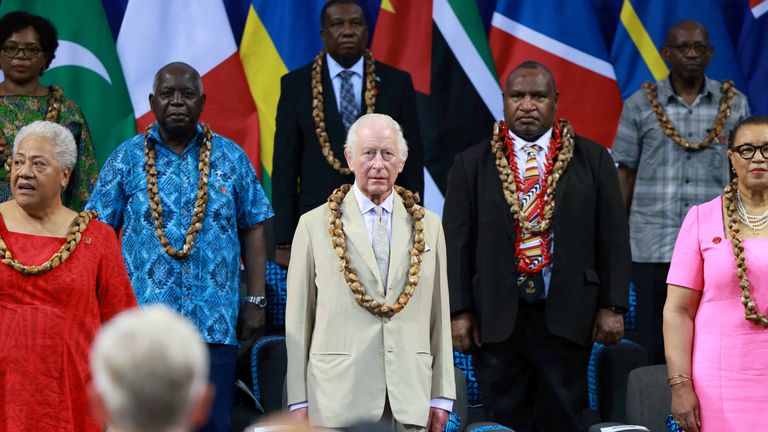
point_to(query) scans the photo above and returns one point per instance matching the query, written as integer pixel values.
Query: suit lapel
(401, 241)
(358, 242)
(496, 192)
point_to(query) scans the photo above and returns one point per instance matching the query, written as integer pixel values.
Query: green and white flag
(87, 67)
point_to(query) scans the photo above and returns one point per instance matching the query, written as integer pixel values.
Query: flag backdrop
(570, 43)
(458, 52)
(456, 91)
(642, 30)
(155, 33)
(752, 54)
(87, 67)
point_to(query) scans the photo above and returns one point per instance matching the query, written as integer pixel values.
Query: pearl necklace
(755, 222)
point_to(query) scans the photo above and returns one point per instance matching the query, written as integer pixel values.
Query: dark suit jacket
(591, 258)
(301, 177)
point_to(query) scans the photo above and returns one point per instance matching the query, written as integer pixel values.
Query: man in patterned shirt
(670, 148)
(179, 185)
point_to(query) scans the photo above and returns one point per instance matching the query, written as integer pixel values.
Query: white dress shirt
(541, 158)
(369, 217)
(334, 68)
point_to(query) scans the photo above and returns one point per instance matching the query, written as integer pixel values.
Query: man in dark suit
(535, 274)
(318, 103)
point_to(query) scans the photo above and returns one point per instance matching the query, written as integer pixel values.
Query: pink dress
(730, 354)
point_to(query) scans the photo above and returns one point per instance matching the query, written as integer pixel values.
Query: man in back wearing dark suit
(318, 103)
(538, 258)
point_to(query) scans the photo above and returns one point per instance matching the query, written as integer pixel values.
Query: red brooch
(223, 190)
(717, 240)
(87, 240)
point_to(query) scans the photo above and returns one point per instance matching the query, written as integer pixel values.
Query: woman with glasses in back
(27, 46)
(715, 323)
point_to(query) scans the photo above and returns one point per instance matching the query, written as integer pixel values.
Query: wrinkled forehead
(378, 136)
(177, 78)
(530, 80)
(34, 145)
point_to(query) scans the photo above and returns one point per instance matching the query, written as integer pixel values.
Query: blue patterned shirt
(206, 286)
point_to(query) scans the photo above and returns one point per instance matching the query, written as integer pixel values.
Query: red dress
(47, 324)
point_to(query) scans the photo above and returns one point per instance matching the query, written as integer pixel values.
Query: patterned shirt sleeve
(108, 198)
(252, 204)
(626, 146)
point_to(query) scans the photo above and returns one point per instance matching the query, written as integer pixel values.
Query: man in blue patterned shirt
(203, 198)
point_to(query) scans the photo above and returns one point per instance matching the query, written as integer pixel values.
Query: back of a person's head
(150, 369)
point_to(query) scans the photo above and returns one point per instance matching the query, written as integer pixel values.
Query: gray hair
(372, 121)
(150, 367)
(64, 147)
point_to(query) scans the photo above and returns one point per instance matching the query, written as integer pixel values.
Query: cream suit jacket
(343, 360)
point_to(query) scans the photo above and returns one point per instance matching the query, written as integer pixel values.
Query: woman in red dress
(61, 277)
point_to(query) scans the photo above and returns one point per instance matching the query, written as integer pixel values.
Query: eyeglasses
(699, 48)
(12, 51)
(747, 151)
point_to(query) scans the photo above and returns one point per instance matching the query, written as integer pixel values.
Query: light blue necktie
(381, 245)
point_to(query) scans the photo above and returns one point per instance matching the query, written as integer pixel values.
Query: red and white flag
(154, 33)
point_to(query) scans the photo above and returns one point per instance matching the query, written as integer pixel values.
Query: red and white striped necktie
(530, 244)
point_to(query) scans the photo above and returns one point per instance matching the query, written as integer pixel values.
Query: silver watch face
(259, 301)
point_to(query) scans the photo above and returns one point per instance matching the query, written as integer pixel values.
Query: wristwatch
(259, 301)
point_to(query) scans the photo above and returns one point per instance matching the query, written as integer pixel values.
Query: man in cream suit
(367, 319)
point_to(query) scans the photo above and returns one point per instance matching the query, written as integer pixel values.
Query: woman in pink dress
(715, 327)
(61, 276)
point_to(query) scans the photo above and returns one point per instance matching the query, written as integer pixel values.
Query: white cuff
(299, 405)
(443, 404)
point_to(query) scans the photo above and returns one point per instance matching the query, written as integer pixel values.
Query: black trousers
(535, 380)
(650, 281)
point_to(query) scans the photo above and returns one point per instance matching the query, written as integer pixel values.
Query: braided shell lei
(339, 243)
(728, 90)
(65, 251)
(318, 105)
(156, 206)
(734, 233)
(509, 187)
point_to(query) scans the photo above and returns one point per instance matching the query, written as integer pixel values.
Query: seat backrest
(269, 363)
(612, 365)
(648, 397)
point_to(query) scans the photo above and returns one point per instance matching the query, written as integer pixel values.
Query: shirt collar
(542, 142)
(367, 205)
(154, 133)
(666, 94)
(334, 68)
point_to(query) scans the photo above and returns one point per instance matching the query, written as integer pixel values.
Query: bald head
(686, 26)
(179, 68)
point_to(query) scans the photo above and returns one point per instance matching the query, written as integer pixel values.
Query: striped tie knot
(531, 174)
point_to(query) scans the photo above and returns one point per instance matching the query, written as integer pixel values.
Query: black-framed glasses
(12, 51)
(747, 151)
(699, 48)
